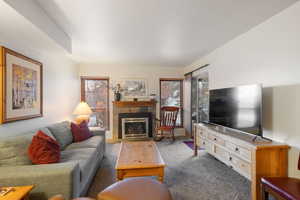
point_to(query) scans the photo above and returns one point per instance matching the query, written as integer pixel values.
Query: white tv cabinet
(252, 160)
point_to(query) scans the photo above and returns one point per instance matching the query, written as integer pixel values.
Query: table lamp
(83, 112)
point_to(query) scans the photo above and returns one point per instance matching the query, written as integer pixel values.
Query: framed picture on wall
(21, 87)
(134, 87)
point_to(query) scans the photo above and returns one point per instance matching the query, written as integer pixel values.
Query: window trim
(82, 93)
(181, 97)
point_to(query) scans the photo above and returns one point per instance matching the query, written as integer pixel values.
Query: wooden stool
(60, 197)
(281, 188)
(136, 189)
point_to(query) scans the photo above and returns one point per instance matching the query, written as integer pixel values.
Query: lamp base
(82, 118)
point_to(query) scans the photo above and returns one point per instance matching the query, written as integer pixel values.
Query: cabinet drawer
(202, 143)
(216, 139)
(206, 145)
(240, 165)
(243, 152)
(230, 146)
(202, 133)
(221, 153)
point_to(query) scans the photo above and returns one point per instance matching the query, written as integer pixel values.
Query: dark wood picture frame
(3, 86)
(82, 96)
(181, 96)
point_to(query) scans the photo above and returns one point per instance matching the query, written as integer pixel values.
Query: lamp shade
(82, 109)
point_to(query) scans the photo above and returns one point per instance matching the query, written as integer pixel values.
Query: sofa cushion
(43, 149)
(77, 154)
(80, 131)
(62, 133)
(92, 142)
(86, 158)
(13, 150)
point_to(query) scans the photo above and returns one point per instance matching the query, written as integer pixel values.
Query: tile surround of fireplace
(131, 109)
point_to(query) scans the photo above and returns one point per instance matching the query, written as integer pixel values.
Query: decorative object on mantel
(83, 112)
(117, 92)
(134, 88)
(135, 99)
(153, 96)
(21, 86)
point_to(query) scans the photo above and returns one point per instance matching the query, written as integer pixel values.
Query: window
(171, 94)
(95, 91)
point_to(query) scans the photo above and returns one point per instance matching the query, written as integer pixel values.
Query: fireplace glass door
(135, 128)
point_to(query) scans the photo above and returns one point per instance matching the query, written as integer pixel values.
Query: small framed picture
(21, 88)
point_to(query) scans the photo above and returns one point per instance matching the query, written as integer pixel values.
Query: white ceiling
(21, 35)
(155, 32)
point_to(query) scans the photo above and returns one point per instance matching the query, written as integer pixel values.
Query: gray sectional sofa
(70, 177)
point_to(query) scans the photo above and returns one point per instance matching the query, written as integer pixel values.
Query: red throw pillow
(80, 132)
(43, 149)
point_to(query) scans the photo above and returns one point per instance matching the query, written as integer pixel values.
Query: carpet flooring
(190, 144)
(187, 177)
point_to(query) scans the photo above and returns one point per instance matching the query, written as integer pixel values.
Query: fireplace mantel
(120, 107)
(134, 103)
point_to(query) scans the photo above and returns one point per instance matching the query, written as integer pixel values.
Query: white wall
(267, 54)
(61, 93)
(61, 83)
(117, 72)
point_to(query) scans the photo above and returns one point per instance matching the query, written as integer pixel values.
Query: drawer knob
(230, 158)
(236, 149)
(215, 139)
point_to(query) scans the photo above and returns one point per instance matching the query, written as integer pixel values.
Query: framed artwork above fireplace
(134, 88)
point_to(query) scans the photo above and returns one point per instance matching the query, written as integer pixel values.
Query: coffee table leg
(161, 178)
(120, 175)
(161, 175)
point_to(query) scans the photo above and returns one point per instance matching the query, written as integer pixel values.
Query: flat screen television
(238, 108)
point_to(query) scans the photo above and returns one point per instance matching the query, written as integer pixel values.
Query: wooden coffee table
(140, 158)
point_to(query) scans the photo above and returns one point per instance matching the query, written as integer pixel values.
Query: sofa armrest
(98, 132)
(49, 179)
(101, 133)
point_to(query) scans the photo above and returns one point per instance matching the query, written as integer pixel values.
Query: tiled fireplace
(133, 119)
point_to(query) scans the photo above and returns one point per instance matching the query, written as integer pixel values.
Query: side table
(19, 193)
